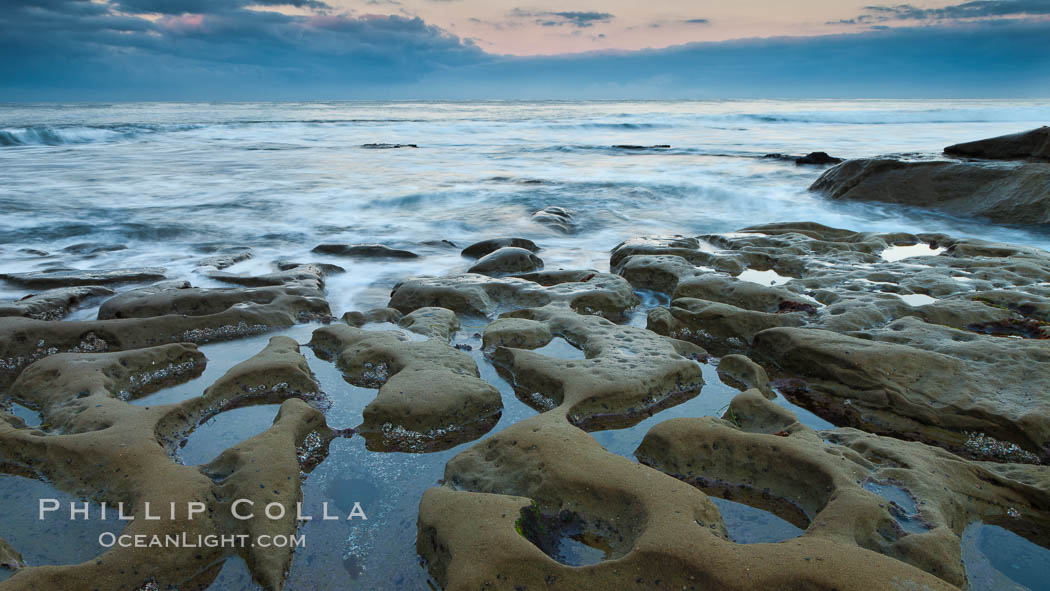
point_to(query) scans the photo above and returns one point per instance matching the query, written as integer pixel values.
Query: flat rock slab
(54, 304)
(587, 292)
(69, 278)
(367, 251)
(165, 313)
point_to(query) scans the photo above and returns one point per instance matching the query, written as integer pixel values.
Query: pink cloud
(183, 23)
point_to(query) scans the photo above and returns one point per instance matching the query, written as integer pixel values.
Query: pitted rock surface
(896, 333)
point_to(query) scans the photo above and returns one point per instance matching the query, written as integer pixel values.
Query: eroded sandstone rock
(93, 443)
(587, 292)
(430, 394)
(73, 277)
(628, 374)
(164, 314)
(54, 304)
(508, 501)
(507, 261)
(829, 483)
(895, 333)
(480, 249)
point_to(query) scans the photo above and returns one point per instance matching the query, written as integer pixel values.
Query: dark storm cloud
(575, 19)
(975, 9)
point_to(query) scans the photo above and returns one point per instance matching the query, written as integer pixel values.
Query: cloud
(976, 9)
(987, 59)
(176, 7)
(697, 21)
(93, 50)
(575, 19)
(72, 48)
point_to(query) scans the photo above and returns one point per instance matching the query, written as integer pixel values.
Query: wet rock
(541, 478)
(439, 243)
(519, 333)
(737, 370)
(1034, 143)
(154, 316)
(719, 328)
(370, 251)
(1012, 192)
(905, 379)
(430, 394)
(387, 146)
(304, 300)
(278, 373)
(587, 292)
(101, 447)
(10, 559)
(311, 276)
(628, 374)
(91, 248)
(731, 291)
(326, 268)
(377, 315)
(507, 261)
(831, 483)
(556, 218)
(818, 158)
(53, 304)
(229, 259)
(870, 330)
(480, 249)
(435, 323)
(72, 278)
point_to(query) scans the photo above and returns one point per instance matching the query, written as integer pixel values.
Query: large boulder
(1034, 143)
(1016, 192)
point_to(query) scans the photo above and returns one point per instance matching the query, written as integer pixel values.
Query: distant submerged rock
(817, 158)
(1005, 179)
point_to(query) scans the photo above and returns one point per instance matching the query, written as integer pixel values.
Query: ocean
(103, 186)
(170, 182)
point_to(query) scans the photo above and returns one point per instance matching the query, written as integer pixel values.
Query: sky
(69, 50)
